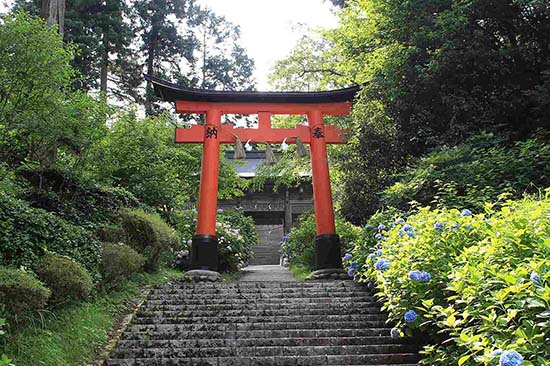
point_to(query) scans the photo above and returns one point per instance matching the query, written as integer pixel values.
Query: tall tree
(53, 11)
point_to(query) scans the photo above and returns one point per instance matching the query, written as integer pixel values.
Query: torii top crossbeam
(216, 103)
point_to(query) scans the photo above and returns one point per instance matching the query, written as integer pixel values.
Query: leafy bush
(236, 235)
(27, 233)
(118, 263)
(299, 245)
(21, 293)
(473, 173)
(81, 203)
(480, 280)
(149, 235)
(67, 280)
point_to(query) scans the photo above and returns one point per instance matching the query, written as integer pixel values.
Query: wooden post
(327, 243)
(204, 250)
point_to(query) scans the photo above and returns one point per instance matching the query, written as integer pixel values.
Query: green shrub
(473, 173)
(236, 235)
(27, 233)
(118, 263)
(489, 283)
(299, 246)
(68, 280)
(110, 233)
(81, 203)
(149, 235)
(21, 293)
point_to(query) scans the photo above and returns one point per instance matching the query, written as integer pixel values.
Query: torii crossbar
(265, 104)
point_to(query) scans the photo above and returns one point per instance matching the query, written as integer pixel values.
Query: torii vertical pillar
(327, 242)
(204, 247)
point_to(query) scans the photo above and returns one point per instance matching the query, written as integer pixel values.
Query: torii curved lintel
(173, 92)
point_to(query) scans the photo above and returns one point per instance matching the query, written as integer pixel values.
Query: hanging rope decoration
(301, 150)
(269, 155)
(239, 154)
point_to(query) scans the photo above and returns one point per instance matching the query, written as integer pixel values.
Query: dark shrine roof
(172, 92)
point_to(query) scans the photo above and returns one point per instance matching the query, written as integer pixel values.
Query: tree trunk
(53, 11)
(149, 93)
(104, 66)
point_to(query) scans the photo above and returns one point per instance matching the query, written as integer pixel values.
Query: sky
(268, 27)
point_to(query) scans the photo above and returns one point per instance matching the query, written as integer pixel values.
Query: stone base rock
(330, 274)
(202, 275)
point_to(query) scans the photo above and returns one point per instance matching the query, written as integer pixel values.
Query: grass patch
(74, 335)
(300, 271)
(231, 276)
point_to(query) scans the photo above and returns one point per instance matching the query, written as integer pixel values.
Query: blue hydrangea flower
(410, 316)
(426, 277)
(411, 234)
(355, 265)
(351, 271)
(495, 353)
(438, 226)
(379, 236)
(347, 256)
(371, 285)
(401, 233)
(510, 358)
(535, 277)
(466, 212)
(407, 227)
(420, 276)
(381, 227)
(454, 226)
(382, 264)
(378, 246)
(400, 220)
(372, 256)
(395, 334)
(415, 275)
(378, 252)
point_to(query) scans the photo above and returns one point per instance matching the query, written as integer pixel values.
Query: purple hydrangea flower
(407, 227)
(351, 271)
(382, 264)
(454, 226)
(394, 333)
(347, 256)
(371, 285)
(220, 210)
(355, 265)
(381, 227)
(410, 316)
(379, 236)
(535, 277)
(466, 212)
(438, 226)
(378, 252)
(378, 246)
(510, 358)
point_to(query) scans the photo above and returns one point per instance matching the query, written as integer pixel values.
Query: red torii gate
(204, 253)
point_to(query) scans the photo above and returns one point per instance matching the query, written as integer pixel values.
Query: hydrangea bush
(236, 235)
(479, 283)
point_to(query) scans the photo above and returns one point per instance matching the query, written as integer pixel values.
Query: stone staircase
(267, 250)
(261, 323)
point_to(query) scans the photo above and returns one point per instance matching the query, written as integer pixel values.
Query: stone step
(150, 342)
(263, 294)
(176, 316)
(379, 359)
(265, 325)
(170, 331)
(263, 351)
(297, 302)
(247, 310)
(266, 285)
